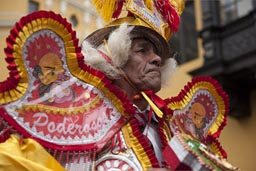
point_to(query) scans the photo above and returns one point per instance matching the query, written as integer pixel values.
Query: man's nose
(156, 60)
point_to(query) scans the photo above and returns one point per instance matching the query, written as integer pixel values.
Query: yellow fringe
(105, 8)
(133, 142)
(149, 4)
(179, 5)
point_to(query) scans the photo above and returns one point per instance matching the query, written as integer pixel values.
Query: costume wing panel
(200, 109)
(199, 115)
(50, 94)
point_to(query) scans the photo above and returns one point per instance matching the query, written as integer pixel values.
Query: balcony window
(74, 20)
(33, 6)
(231, 10)
(184, 43)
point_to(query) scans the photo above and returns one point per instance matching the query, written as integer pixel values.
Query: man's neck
(130, 91)
(141, 103)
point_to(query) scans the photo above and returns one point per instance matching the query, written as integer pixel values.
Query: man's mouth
(154, 70)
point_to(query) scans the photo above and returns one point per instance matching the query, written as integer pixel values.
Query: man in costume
(133, 52)
(134, 63)
(114, 120)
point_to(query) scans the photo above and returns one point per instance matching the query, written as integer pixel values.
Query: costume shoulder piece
(50, 94)
(199, 115)
(200, 109)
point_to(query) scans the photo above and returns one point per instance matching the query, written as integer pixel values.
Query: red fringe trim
(215, 142)
(118, 10)
(144, 142)
(169, 13)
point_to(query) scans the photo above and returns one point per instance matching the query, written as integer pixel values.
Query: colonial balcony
(230, 57)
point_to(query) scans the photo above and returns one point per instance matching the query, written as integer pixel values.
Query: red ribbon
(156, 99)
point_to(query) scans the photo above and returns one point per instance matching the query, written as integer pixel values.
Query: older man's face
(143, 66)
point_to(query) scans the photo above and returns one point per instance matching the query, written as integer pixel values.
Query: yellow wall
(9, 14)
(238, 137)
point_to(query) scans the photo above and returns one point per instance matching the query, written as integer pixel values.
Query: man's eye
(142, 50)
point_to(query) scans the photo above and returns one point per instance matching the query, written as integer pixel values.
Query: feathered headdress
(162, 15)
(154, 19)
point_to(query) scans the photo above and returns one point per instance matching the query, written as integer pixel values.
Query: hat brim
(163, 50)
